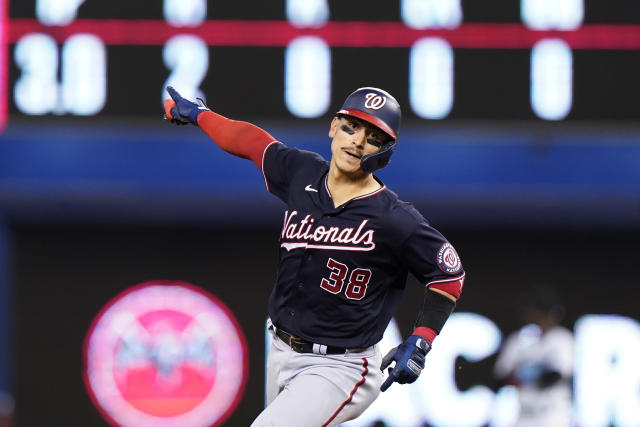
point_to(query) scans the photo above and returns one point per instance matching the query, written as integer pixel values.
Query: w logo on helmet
(374, 101)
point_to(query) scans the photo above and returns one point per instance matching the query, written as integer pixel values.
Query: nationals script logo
(374, 101)
(321, 237)
(165, 354)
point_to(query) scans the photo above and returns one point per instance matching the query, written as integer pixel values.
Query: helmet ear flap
(372, 162)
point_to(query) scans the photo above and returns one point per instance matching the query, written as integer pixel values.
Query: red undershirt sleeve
(426, 333)
(241, 139)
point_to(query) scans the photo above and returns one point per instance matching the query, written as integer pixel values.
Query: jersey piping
(364, 196)
(452, 279)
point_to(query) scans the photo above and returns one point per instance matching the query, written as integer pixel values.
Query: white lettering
(291, 231)
(317, 235)
(345, 235)
(306, 231)
(332, 234)
(304, 222)
(607, 373)
(606, 386)
(287, 220)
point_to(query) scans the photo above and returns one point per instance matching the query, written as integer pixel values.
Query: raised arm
(239, 138)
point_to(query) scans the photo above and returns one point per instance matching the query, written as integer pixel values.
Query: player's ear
(334, 126)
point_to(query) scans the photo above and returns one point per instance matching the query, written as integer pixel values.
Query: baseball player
(538, 360)
(346, 246)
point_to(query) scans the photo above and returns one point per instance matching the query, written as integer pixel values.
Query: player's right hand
(182, 111)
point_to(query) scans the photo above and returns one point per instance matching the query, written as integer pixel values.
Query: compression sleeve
(241, 139)
(436, 309)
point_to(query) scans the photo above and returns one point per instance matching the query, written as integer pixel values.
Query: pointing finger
(390, 380)
(173, 93)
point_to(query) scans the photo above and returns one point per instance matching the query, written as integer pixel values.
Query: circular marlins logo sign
(165, 354)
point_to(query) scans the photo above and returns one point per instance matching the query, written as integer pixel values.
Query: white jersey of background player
(538, 361)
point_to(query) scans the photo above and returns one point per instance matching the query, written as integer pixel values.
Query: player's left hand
(182, 111)
(409, 357)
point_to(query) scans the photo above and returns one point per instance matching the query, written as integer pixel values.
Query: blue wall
(462, 176)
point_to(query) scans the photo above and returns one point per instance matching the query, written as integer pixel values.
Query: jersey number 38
(358, 280)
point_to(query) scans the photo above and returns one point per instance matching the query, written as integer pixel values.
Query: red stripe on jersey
(365, 371)
(364, 196)
(373, 193)
(326, 186)
(451, 286)
(241, 139)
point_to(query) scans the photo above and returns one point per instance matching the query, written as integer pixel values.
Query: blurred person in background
(538, 360)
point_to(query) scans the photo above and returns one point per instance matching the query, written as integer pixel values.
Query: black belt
(299, 345)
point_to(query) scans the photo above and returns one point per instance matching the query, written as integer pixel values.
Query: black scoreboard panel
(595, 11)
(490, 76)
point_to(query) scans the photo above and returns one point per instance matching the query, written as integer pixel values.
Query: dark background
(65, 273)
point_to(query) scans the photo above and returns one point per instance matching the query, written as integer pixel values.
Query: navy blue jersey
(342, 269)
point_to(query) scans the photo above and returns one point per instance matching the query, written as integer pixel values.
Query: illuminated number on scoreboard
(84, 79)
(358, 280)
(551, 79)
(552, 14)
(431, 78)
(431, 58)
(307, 13)
(187, 56)
(82, 90)
(307, 77)
(551, 59)
(188, 59)
(57, 12)
(187, 13)
(423, 14)
(307, 69)
(36, 91)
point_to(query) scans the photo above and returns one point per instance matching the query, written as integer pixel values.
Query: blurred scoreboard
(544, 60)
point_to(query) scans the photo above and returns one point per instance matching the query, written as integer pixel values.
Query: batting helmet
(379, 108)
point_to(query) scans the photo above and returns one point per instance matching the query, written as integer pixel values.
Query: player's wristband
(426, 333)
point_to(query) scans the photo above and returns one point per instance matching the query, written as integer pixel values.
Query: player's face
(352, 139)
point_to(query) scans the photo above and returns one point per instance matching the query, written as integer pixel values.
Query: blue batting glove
(182, 111)
(409, 358)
